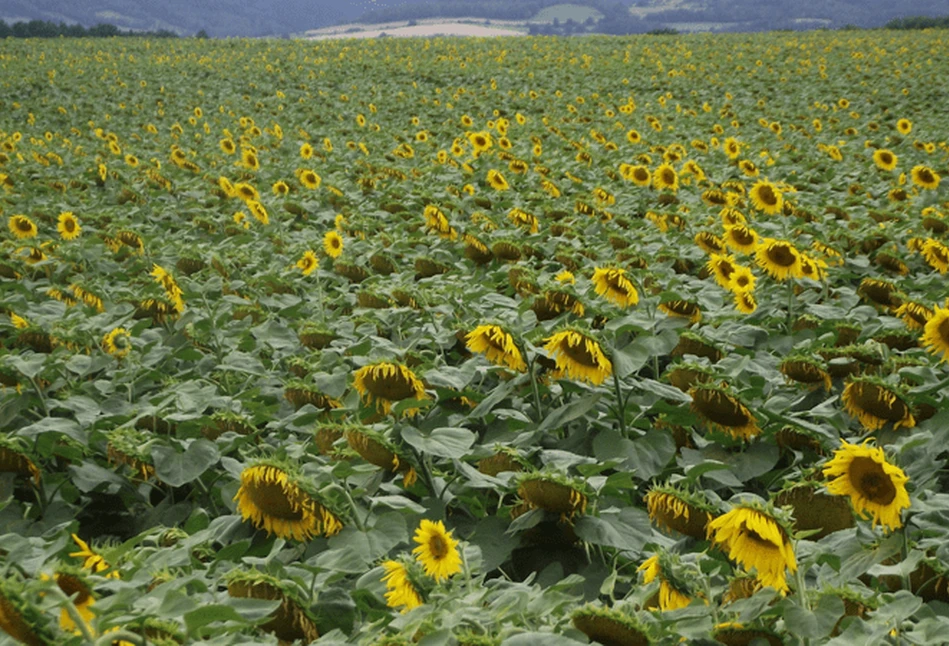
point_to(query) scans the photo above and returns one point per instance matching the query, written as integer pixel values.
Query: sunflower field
(475, 341)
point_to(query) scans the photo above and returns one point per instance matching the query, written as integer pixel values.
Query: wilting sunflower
(554, 493)
(709, 242)
(68, 226)
(876, 488)
(497, 345)
(22, 227)
(21, 619)
(671, 595)
(610, 626)
(665, 178)
(755, 539)
(276, 499)
(678, 510)
(925, 177)
(914, 315)
(289, 622)
(333, 244)
(15, 458)
(383, 383)
(723, 412)
(874, 403)
(496, 181)
(805, 370)
(779, 258)
(401, 592)
(682, 309)
(437, 551)
(376, 449)
(766, 197)
(614, 286)
(72, 581)
(118, 342)
(936, 333)
(91, 560)
(308, 262)
(884, 159)
(579, 356)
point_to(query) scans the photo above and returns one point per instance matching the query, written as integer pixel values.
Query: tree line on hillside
(918, 22)
(49, 29)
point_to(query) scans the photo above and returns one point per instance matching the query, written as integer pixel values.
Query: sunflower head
(817, 513)
(876, 488)
(403, 585)
(875, 403)
(936, 333)
(757, 538)
(779, 258)
(274, 497)
(383, 382)
(579, 356)
(437, 550)
(612, 284)
(20, 616)
(610, 626)
(290, 621)
(497, 345)
(678, 509)
(15, 458)
(553, 492)
(722, 411)
(375, 448)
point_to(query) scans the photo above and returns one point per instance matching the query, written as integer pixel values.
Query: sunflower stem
(39, 393)
(801, 586)
(536, 389)
(620, 405)
(352, 504)
(790, 303)
(73, 613)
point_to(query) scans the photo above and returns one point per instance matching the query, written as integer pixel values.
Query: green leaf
(176, 468)
(445, 442)
(569, 412)
(615, 528)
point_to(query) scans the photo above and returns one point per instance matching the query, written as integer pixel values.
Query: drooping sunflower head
(814, 511)
(117, 342)
(936, 333)
(779, 258)
(679, 509)
(758, 539)
(437, 550)
(290, 621)
(403, 587)
(709, 242)
(612, 284)
(274, 497)
(579, 356)
(375, 448)
(675, 579)
(131, 447)
(876, 488)
(767, 198)
(805, 369)
(384, 382)
(741, 237)
(496, 181)
(553, 492)
(497, 345)
(21, 618)
(874, 403)
(610, 626)
(15, 458)
(722, 411)
(936, 255)
(682, 309)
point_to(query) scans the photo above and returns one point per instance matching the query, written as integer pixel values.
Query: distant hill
(220, 18)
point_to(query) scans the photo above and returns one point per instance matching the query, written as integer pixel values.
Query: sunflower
(665, 177)
(723, 412)
(904, 126)
(68, 226)
(756, 540)
(640, 175)
(249, 159)
(884, 159)
(766, 197)
(741, 280)
(936, 254)
(15, 458)
(497, 345)
(914, 315)
(709, 242)
(277, 500)
(614, 286)
(805, 370)
(308, 262)
(670, 596)
(280, 188)
(309, 179)
(740, 237)
(400, 591)
(383, 383)
(21, 619)
(496, 181)
(72, 581)
(377, 450)
(731, 147)
(289, 622)
(874, 403)
(245, 191)
(722, 267)
(925, 177)
(333, 244)
(22, 227)
(779, 258)
(579, 356)
(227, 146)
(682, 309)
(554, 493)
(876, 488)
(480, 141)
(610, 626)
(633, 137)
(745, 302)
(675, 510)
(936, 333)
(91, 560)
(118, 342)
(437, 551)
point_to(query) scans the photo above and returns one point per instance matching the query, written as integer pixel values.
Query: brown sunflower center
(69, 224)
(743, 280)
(881, 403)
(579, 353)
(871, 481)
(271, 498)
(24, 225)
(641, 174)
(757, 539)
(742, 236)
(943, 331)
(886, 158)
(390, 385)
(668, 176)
(925, 176)
(767, 195)
(781, 254)
(438, 546)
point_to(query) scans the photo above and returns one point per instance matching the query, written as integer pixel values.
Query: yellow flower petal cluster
(579, 356)
(756, 541)
(877, 489)
(497, 346)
